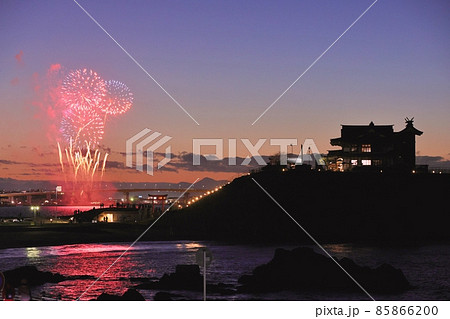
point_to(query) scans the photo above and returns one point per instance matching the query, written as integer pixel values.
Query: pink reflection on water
(88, 249)
(92, 260)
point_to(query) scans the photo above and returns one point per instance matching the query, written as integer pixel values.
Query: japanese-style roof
(410, 129)
(362, 130)
(361, 133)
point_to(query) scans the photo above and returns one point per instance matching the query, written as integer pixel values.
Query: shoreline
(18, 236)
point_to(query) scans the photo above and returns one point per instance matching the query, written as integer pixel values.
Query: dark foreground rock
(167, 296)
(129, 295)
(186, 277)
(33, 276)
(303, 269)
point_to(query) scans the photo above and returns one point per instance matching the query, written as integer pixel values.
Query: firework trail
(82, 168)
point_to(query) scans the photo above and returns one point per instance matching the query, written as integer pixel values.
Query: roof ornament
(409, 121)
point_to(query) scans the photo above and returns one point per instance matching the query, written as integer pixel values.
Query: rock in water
(303, 269)
(164, 296)
(186, 277)
(132, 295)
(33, 276)
(129, 295)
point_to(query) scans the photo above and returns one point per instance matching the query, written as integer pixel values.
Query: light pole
(34, 209)
(204, 258)
(58, 189)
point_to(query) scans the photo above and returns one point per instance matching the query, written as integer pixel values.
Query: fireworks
(82, 128)
(82, 167)
(88, 99)
(83, 89)
(118, 98)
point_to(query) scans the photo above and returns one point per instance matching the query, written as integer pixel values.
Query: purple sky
(226, 62)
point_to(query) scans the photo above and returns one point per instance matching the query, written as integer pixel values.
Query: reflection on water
(188, 245)
(85, 249)
(426, 267)
(32, 252)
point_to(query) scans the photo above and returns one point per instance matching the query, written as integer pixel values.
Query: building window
(376, 163)
(354, 162)
(353, 148)
(365, 148)
(366, 162)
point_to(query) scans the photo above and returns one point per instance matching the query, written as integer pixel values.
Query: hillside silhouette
(332, 207)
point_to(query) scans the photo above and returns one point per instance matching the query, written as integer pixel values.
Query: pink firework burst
(118, 98)
(83, 128)
(83, 89)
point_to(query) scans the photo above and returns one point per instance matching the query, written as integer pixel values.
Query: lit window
(354, 148)
(354, 162)
(366, 148)
(366, 162)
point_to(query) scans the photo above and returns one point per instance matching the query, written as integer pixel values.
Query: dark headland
(333, 207)
(363, 207)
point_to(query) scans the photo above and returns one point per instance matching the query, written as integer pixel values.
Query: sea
(427, 267)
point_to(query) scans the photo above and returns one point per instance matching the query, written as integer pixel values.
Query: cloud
(7, 162)
(19, 58)
(37, 151)
(15, 81)
(433, 161)
(184, 161)
(114, 164)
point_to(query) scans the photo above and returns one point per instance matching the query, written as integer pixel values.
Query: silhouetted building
(374, 147)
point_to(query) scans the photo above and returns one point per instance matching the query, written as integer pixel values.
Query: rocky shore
(300, 269)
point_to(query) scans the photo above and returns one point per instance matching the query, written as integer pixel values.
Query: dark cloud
(433, 161)
(44, 172)
(184, 161)
(8, 162)
(114, 164)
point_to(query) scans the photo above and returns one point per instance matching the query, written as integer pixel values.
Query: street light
(34, 209)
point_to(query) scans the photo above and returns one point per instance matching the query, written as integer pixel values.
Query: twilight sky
(226, 62)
